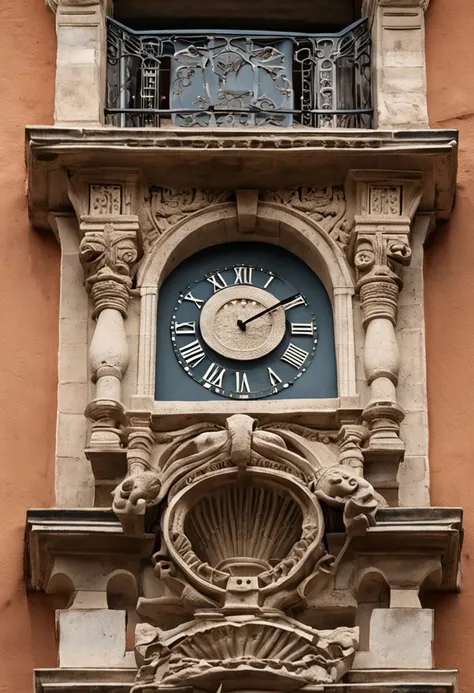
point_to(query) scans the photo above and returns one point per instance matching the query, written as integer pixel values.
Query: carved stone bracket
(380, 246)
(241, 541)
(106, 205)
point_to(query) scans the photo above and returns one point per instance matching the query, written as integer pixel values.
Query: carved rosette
(242, 537)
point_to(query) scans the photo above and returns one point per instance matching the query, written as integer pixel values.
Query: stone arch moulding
(275, 224)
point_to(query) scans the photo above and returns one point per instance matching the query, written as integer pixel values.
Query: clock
(222, 337)
(243, 331)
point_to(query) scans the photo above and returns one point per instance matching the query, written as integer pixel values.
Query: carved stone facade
(266, 544)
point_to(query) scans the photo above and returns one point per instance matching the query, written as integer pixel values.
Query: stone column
(108, 251)
(81, 61)
(398, 39)
(108, 256)
(385, 206)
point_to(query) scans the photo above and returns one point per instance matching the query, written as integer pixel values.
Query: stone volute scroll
(379, 249)
(109, 250)
(242, 542)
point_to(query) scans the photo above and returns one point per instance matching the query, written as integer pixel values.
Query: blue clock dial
(243, 332)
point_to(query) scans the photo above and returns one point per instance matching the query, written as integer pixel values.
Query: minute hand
(243, 323)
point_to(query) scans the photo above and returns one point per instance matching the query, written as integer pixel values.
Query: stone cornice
(376, 681)
(229, 159)
(55, 4)
(56, 531)
(49, 533)
(368, 6)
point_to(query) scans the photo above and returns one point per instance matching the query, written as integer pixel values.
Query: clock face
(243, 332)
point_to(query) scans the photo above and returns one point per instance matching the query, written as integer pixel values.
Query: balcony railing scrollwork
(236, 79)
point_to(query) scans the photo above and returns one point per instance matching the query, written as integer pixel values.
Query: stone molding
(54, 5)
(360, 681)
(314, 156)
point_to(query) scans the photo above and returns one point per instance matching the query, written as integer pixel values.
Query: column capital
(106, 204)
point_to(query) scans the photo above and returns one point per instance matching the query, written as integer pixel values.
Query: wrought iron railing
(237, 79)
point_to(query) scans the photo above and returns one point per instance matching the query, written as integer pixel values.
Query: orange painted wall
(29, 281)
(449, 296)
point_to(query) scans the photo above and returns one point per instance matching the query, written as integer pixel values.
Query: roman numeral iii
(302, 328)
(295, 356)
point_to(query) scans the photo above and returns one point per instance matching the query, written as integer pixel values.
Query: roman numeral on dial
(274, 378)
(269, 281)
(185, 328)
(214, 376)
(241, 382)
(302, 328)
(193, 353)
(218, 282)
(198, 302)
(243, 275)
(298, 301)
(295, 356)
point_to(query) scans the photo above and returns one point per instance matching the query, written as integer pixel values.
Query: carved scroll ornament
(326, 206)
(167, 207)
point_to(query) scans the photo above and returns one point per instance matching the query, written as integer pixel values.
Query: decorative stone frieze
(165, 208)
(326, 206)
(380, 247)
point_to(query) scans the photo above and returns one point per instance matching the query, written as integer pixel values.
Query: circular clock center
(220, 331)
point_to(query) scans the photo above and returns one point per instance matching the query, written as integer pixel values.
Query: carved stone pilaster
(107, 210)
(380, 247)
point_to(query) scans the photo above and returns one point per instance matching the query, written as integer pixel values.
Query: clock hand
(243, 323)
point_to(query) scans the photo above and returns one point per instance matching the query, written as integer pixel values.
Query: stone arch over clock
(279, 233)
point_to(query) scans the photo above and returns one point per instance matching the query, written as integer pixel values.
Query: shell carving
(241, 525)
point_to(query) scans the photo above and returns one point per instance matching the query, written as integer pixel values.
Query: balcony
(236, 79)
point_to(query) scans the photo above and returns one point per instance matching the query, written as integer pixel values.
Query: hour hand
(242, 323)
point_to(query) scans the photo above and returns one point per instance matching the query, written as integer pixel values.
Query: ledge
(233, 159)
(374, 681)
(55, 531)
(51, 532)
